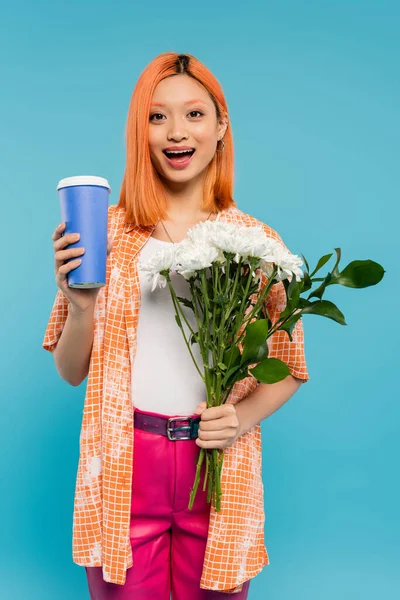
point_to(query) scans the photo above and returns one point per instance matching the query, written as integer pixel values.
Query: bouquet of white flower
(230, 270)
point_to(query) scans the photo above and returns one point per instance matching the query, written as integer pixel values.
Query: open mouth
(179, 156)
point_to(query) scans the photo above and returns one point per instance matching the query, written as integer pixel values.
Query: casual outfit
(130, 509)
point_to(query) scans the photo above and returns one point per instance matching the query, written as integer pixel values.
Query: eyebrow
(188, 102)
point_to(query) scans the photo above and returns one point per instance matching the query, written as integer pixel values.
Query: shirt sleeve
(55, 325)
(59, 312)
(290, 352)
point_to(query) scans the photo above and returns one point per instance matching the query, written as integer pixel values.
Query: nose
(177, 130)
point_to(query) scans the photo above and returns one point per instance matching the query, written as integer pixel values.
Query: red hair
(142, 192)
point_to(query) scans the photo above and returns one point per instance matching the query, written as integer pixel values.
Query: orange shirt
(235, 550)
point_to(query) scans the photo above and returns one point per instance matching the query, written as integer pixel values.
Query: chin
(180, 175)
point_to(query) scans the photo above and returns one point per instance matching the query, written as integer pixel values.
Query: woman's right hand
(80, 299)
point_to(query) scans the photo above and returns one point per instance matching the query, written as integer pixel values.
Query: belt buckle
(192, 427)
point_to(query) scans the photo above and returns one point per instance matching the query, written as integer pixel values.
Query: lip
(181, 165)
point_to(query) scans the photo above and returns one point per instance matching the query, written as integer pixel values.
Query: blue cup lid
(83, 180)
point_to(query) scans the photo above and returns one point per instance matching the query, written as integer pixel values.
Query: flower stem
(176, 305)
(199, 323)
(241, 309)
(258, 305)
(206, 474)
(197, 478)
(235, 283)
(175, 299)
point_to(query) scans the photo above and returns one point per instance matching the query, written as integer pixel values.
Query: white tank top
(164, 377)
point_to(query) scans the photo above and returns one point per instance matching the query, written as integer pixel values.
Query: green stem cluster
(205, 308)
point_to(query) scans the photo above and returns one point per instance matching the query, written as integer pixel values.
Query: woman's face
(183, 114)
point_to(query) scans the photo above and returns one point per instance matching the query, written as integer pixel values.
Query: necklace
(165, 229)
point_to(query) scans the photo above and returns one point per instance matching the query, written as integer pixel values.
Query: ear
(222, 127)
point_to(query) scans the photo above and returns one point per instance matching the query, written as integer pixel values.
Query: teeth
(178, 151)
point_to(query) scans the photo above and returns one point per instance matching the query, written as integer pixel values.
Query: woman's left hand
(219, 426)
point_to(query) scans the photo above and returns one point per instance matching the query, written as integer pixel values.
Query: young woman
(132, 530)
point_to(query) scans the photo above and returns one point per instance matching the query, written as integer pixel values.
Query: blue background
(313, 94)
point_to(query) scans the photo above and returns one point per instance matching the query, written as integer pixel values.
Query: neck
(185, 201)
(186, 215)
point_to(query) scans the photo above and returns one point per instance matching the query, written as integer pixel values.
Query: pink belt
(175, 428)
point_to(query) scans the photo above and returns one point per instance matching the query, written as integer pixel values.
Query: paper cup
(84, 209)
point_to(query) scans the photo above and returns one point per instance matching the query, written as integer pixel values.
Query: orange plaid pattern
(235, 550)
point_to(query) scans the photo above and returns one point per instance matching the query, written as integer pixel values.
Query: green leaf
(325, 308)
(307, 283)
(293, 290)
(228, 375)
(270, 370)
(194, 339)
(335, 270)
(319, 292)
(322, 261)
(186, 302)
(360, 274)
(255, 342)
(178, 320)
(289, 325)
(221, 366)
(305, 262)
(232, 356)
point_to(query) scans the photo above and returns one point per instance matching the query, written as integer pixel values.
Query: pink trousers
(168, 540)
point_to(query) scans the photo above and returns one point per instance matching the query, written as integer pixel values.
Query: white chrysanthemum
(252, 242)
(286, 262)
(192, 256)
(242, 241)
(159, 261)
(227, 239)
(211, 232)
(206, 243)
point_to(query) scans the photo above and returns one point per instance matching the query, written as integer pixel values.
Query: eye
(160, 115)
(155, 115)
